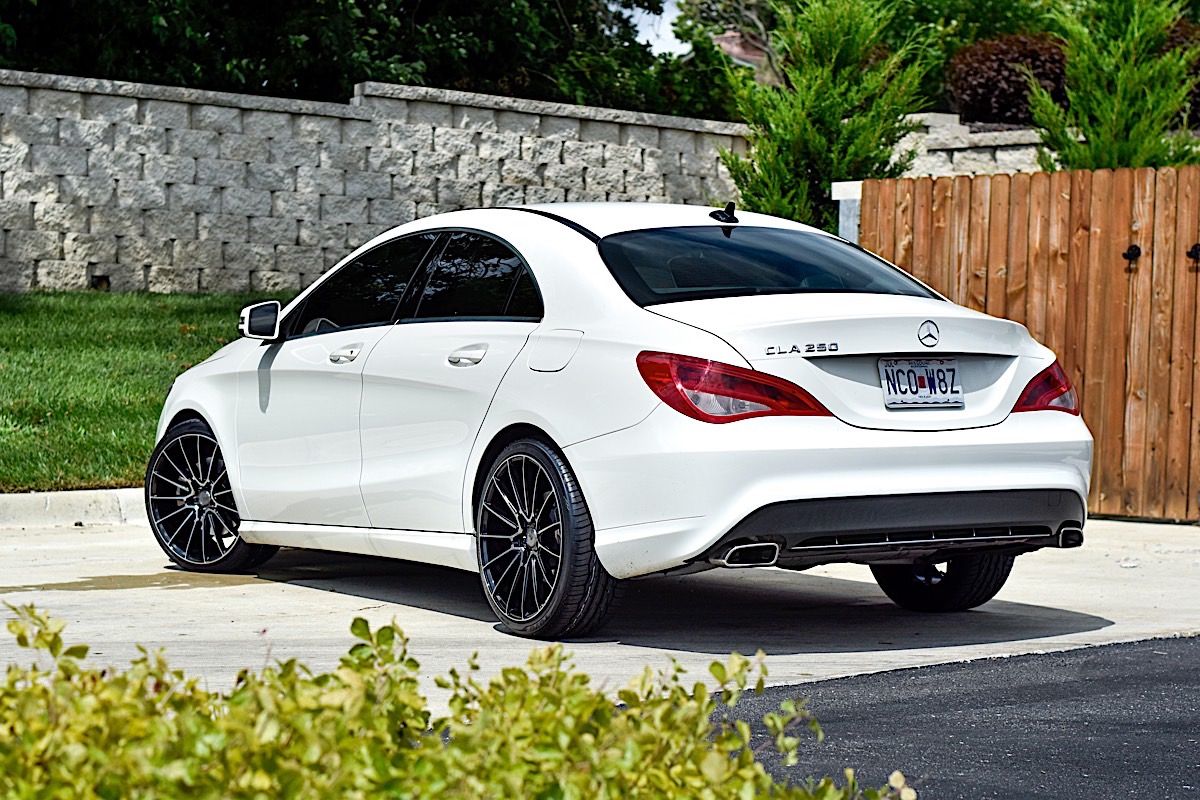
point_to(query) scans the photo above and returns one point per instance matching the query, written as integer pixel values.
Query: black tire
(191, 507)
(536, 553)
(965, 582)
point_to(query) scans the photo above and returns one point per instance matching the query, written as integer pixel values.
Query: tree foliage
(839, 115)
(363, 730)
(578, 51)
(1127, 94)
(945, 26)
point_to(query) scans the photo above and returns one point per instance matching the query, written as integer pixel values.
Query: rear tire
(190, 504)
(536, 546)
(965, 582)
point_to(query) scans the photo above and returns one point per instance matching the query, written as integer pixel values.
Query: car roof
(604, 219)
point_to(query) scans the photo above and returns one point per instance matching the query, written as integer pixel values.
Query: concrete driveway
(116, 590)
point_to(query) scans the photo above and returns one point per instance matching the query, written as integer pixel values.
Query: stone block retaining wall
(126, 186)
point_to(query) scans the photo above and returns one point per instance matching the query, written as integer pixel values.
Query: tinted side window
(364, 292)
(474, 277)
(525, 303)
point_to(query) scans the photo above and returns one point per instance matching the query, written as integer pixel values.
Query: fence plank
(1137, 353)
(868, 217)
(941, 252)
(887, 219)
(997, 257)
(1039, 254)
(960, 240)
(1058, 276)
(977, 265)
(1093, 383)
(1018, 246)
(1191, 235)
(1158, 374)
(1115, 342)
(922, 228)
(904, 224)
(1178, 501)
(1075, 353)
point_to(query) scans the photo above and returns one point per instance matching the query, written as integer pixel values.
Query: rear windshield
(667, 265)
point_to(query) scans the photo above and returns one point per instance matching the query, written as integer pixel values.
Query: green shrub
(989, 80)
(838, 118)
(1127, 94)
(363, 730)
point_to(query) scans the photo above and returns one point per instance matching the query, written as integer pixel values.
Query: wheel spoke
(166, 517)
(501, 517)
(545, 502)
(525, 570)
(501, 555)
(516, 512)
(516, 492)
(184, 475)
(547, 550)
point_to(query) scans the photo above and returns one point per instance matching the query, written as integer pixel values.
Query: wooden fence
(1056, 252)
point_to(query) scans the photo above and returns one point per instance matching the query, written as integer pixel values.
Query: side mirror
(260, 321)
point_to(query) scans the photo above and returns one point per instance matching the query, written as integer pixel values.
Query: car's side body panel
(421, 414)
(297, 428)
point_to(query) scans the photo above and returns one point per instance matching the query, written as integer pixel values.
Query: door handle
(345, 355)
(466, 356)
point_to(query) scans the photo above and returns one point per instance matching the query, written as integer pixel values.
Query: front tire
(965, 582)
(536, 553)
(190, 504)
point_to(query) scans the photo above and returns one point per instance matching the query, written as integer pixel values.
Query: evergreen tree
(1127, 94)
(839, 115)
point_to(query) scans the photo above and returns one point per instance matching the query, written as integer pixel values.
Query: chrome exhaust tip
(751, 554)
(1070, 537)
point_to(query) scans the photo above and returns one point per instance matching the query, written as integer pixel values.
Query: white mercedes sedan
(562, 397)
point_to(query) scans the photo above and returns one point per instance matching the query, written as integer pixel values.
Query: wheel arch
(502, 439)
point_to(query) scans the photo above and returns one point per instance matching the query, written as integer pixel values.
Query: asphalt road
(1114, 721)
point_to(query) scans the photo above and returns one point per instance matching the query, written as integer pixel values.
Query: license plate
(914, 382)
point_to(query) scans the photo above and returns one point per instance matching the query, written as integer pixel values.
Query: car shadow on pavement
(712, 612)
(791, 613)
(407, 583)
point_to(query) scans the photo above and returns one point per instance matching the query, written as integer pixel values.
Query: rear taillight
(1051, 390)
(714, 392)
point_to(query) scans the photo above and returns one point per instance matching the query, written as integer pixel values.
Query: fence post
(848, 195)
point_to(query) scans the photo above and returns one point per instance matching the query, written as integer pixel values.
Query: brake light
(714, 392)
(1051, 390)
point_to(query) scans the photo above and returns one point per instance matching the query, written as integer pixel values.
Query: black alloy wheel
(190, 504)
(536, 554)
(960, 584)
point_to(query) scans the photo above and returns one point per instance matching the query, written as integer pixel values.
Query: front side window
(366, 291)
(478, 277)
(667, 265)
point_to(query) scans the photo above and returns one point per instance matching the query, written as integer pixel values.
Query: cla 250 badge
(819, 347)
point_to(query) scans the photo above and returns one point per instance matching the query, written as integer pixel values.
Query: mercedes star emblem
(928, 333)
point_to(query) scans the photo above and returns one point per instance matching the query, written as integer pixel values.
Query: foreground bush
(363, 730)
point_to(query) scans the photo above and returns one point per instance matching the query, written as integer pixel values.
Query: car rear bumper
(674, 493)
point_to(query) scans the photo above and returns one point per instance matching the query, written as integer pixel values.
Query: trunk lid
(832, 344)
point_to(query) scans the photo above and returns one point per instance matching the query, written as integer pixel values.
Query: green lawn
(83, 377)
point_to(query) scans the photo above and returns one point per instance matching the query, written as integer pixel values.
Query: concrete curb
(86, 506)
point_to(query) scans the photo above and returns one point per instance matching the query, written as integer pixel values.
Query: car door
(430, 381)
(298, 399)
